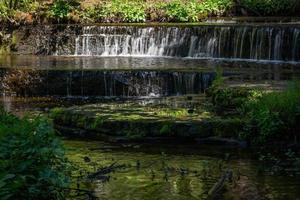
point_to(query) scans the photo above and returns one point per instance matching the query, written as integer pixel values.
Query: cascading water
(279, 43)
(103, 83)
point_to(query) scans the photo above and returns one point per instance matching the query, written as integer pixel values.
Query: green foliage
(4, 11)
(134, 131)
(193, 11)
(232, 98)
(216, 7)
(166, 129)
(181, 113)
(118, 11)
(227, 128)
(141, 11)
(270, 7)
(8, 7)
(97, 123)
(217, 84)
(274, 116)
(56, 113)
(62, 8)
(32, 160)
(181, 11)
(219, 79)
(16, 4)
(229, 98)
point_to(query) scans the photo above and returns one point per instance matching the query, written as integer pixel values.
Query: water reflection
(107, 77)
(191, 171)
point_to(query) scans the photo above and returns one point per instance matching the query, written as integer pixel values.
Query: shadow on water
(174, 172)
(128, 76)
(149, 171)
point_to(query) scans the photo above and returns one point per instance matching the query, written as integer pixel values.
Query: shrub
(3, 11)
(216, 7)
(274, 116)
(270, 7)
(139, 11)
(9, 6)
(32, 160)
(61, 8)
(118, 11)
(194, 10)
(178, 10)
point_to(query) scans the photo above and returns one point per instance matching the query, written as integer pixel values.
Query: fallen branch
(219, 185)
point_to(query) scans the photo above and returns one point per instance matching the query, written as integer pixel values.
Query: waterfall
(296, 45)
(88, 83)
(231, 42)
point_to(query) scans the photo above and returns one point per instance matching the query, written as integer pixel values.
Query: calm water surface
(174, 171)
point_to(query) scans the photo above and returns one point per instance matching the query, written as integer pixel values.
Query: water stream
(252, 42)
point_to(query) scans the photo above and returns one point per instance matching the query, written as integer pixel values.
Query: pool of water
(129, 76)
(176, 171)
(142, 63)
(152, 171)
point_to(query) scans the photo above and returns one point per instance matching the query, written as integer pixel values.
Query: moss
(134, 132)
(231, 98)
(166, 129)
(135, 121)
(14, 40)
(56, 113)
(81, 121)
(228, 128)
(97, 122)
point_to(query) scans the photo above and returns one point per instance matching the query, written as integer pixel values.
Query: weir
(247, 42)
(147, 60)
(102, 83)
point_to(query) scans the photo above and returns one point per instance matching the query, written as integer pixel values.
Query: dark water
(175, 172)
(166, 172)
(128, 76)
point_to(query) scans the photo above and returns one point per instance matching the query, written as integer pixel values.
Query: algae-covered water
(173, 172)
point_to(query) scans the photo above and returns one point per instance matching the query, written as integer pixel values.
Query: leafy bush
(216, 7)
(274, 116)
(61, 8)
(181, 11)
(140, 11)
(118, 11)
(10, 6)
(229, 98)
(193, 11)
(3, 11)
(16, 4)
(270, 7)
(32, 160)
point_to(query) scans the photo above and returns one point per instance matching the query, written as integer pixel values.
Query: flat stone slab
(135, 120)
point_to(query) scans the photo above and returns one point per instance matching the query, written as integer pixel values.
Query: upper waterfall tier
(279, 43)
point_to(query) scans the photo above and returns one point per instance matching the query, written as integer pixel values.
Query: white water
(232, 42)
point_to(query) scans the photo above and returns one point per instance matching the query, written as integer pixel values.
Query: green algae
(172, 172)
(134, 120)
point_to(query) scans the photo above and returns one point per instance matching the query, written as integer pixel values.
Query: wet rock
(221, 141)
(245, 189)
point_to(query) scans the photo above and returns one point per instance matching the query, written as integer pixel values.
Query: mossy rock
(135, 122)
(227, 128)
